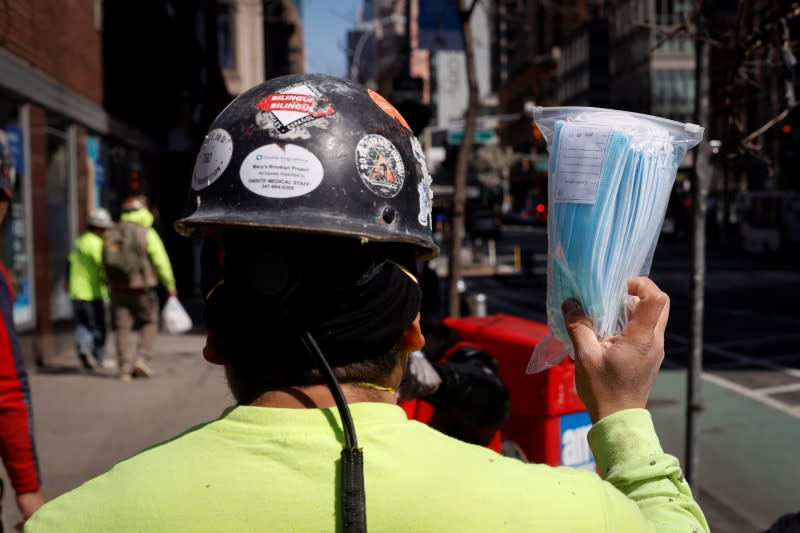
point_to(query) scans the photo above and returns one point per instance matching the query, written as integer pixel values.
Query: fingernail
(571, 307)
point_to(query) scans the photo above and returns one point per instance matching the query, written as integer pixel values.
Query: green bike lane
(749, 462)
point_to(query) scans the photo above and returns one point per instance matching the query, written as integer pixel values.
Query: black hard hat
(315, 154)
(7, 170)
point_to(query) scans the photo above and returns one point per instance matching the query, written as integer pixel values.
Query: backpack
(125, 255)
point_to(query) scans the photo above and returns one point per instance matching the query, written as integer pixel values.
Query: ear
(211, 351)
(413, 339)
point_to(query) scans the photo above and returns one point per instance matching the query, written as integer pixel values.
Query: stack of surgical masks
(610, 178)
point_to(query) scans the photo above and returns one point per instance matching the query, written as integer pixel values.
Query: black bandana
(372, 317)
(356, 306)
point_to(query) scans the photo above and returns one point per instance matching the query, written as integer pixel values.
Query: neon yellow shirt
(262, 469)
(155, 246)
(86, 277)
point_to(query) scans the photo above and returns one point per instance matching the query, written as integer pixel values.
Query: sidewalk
(57, 354)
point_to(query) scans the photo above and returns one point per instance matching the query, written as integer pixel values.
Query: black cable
(354, 510)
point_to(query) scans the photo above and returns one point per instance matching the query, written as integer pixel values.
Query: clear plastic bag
(610, 177)
(174, 317)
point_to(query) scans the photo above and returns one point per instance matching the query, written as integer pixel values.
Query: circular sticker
(213, 159)
(281, 171)
(380, 165)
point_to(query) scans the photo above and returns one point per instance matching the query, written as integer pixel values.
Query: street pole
(694, 400)
(357, 50)
(462, 164)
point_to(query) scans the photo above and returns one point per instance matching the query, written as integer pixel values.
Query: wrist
(623, 436)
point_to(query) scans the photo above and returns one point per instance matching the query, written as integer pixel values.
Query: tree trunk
(462, 165)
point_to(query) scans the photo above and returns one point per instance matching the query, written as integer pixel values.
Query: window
(225, 35)
(60, 147)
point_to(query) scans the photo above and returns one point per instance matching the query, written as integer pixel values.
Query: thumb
(579, 327)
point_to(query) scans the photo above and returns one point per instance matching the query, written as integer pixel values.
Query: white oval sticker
(213, 158)
(281, 171)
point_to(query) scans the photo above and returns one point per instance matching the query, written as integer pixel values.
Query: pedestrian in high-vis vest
(312, 308)
(88, 290)
(135, 261)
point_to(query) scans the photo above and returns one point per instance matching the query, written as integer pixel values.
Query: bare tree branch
(767, 125)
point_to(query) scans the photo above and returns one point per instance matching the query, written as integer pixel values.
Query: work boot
(125, 376)
(142, 370)
(88, 361)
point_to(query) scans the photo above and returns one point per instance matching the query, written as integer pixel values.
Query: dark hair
(265, 367)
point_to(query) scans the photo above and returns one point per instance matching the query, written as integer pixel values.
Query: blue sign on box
(574, 446)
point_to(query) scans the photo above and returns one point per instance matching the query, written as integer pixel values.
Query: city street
(749, 427)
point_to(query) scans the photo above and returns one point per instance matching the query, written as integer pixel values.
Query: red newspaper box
(548, 421)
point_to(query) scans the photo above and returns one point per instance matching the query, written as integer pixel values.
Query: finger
(579, 327)
(651, 312)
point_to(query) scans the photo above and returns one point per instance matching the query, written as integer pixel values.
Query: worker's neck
(320, 397)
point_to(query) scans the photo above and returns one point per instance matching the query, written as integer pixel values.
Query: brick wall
(57, 37)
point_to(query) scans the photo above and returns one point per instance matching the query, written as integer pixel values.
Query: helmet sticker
(281, 171)
(424, 185)
(293, 107)
(380, 165)
(388, 108)
(213, 158)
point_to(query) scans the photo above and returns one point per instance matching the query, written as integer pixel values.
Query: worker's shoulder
(451, 484)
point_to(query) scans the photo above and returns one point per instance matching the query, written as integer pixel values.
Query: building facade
(283, 37)
(240, 39)
(51, 105)
(95, 112)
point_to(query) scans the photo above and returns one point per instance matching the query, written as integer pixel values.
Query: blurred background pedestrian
(136, 261)
(88, 290)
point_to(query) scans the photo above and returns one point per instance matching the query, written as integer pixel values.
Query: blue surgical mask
(599, 237)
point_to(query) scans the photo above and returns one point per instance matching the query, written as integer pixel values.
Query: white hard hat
(100, 218)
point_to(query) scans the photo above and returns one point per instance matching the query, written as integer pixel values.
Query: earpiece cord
(354, 510)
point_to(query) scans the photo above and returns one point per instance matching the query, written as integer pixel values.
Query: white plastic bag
(610, 177)
(174, 317)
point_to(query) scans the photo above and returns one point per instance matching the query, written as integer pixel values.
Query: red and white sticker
(213, 158)
(380, 165)
(293, 107)
(281, 171)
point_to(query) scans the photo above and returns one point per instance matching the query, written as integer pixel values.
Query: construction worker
(312, 309)
(88, 291)
(135, 261)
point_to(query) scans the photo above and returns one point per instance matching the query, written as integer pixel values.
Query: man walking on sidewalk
(135, 261)
(88, 291)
